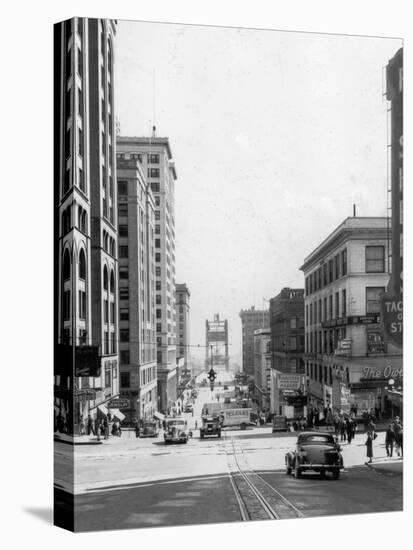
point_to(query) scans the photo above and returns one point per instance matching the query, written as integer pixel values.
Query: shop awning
(158, 415)
(116, 412)
(103, 409)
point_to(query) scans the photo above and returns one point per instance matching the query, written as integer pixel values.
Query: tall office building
(137, 347)
(182, 309)
(251, 319)
(86, 333)
(348, 362)
(154, 154)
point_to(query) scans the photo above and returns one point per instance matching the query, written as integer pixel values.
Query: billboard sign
(392, 316)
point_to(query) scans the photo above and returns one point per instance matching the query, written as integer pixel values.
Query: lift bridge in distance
(216, 340)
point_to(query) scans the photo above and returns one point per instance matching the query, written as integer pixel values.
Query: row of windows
(327, 273)
(322, 310)
(324, 341)
(320, 373)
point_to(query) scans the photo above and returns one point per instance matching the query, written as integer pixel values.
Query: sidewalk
(77, 439)
(392, 465)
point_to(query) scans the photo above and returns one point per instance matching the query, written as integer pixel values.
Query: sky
(275, 135)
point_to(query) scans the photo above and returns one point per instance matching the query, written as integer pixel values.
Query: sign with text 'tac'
(392, 318)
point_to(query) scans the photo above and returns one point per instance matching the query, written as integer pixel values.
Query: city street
(128, 482)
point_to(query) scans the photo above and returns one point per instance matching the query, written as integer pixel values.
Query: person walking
(106, 427)
(349, 430)
(397, 427)
(342, 429)
(81, 426)
(389, 440)
(369, 445)
(90, 427)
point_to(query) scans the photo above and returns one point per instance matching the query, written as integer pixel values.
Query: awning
(103, 409)
(116, 412)
(158, 415)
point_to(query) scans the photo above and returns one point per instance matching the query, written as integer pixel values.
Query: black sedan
(315, 451)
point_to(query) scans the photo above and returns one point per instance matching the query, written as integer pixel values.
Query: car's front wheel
(297, 471)
(336, 474)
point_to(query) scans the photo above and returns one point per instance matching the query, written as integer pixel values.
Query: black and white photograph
(228, 251)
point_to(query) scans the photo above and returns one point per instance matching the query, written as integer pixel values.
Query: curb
(395, 467)
(71, 442)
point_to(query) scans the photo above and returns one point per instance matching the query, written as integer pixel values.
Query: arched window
(112, 247)
(66, 265)
(83, 221)
(82, 265)
(112, 281)
(105, 241)
(66, 221)
(105, 278)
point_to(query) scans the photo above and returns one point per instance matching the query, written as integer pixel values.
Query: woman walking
(369, 444)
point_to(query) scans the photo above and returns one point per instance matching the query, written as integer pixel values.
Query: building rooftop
(352, 227)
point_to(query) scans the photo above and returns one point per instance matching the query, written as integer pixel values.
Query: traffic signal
(212, 375)
(211, 385)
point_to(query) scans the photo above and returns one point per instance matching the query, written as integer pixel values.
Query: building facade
(287, 352)
(155, 156)
(137, 345)
(348, 362)
(86, 337)
(182, 310)
(262, 368)
(251, 320)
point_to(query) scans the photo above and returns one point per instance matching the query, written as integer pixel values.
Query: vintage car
(176, 431)
(149, 429)
(279, 423)
(188, 408)
(317, 451)
(211, 425)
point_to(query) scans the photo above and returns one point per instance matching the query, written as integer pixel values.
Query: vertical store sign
(392, 318)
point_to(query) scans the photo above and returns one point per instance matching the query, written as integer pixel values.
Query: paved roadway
(129, 483)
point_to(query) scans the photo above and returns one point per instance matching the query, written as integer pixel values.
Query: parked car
(149, 429)
(279, 423)
(188, 408)
(176, 431)
(317, 451)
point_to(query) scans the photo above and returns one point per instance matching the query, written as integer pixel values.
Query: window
(337, 266)
(344, 302)
(66, 266)
(157, 229)
(330, 271)
(159, 314)
(124, 376)
(158, 271)
(80, 62)
(82, 265)
(153, 159)
(66, 305)
(122, 187)
(124, 314)
(158, 327)
(106, 340)
(157, 257)
(123, 251)
(157, 200)
(123, 209)
(325, 275)
(80, 143)
(155, 187)
(112, 312)
(374, 259)
(105, 278)
(337, 305)
(157, 215)
(124, 293)
(157, 243)
(123, 272)
(123, 230)
(344, 262)
(66, 220)
(158, 285)
(124, 335)
(373, 299)
(311, 314)
(158, 299)
(330, 306)
(153, 172)
(293, 343)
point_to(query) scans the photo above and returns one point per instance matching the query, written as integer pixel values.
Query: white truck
(236, 418)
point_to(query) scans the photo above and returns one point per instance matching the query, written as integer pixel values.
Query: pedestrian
(196, 425)
(369, 444)
(389, 440)
(349, 430)
(106, 428)
(90, 428)
(81, 426)
(137, 429)
(398, 431)
(342, 429)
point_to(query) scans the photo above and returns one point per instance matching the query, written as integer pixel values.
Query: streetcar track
(256, 498)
